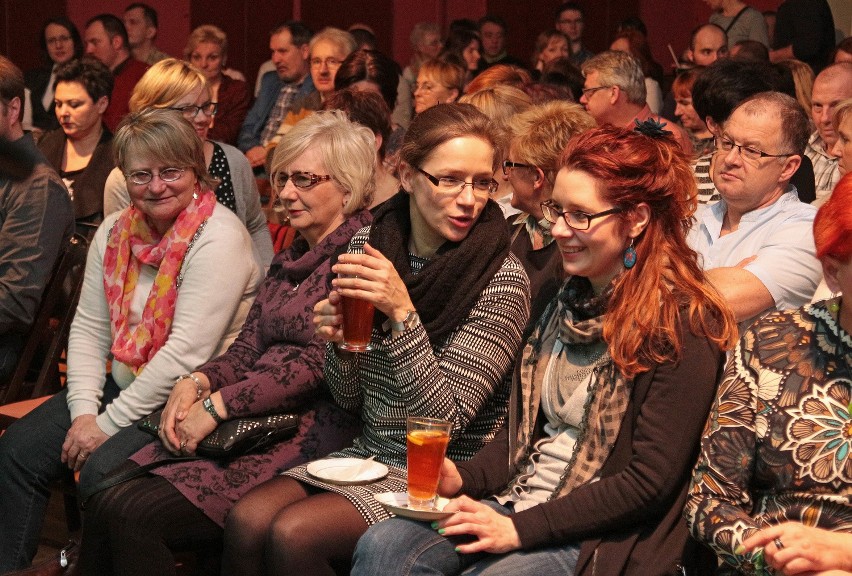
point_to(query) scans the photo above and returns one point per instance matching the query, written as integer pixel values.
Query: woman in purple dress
(275, 366)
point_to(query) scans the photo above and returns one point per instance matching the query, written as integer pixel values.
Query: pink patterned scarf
(133, 242)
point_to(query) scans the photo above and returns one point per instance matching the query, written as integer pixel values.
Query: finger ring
(82, 456)
(778, 543)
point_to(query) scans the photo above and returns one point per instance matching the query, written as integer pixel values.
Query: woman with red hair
(609, 392)
(773, 484)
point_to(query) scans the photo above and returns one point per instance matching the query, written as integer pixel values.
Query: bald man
(708, 44)
(831, 86)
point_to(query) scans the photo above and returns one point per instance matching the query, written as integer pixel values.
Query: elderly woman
(451, 302)
(81, 150)
(699, 134)
(146, 305)
(176, 85)
(775, 450)
(60, 42)
(539, 136)
(438, 82)
(842, 149)
(274, 366)
(207, 50)
(425, 41)
(605, 421)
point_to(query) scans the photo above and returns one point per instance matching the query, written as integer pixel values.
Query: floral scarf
(133, 242)
(574, 317)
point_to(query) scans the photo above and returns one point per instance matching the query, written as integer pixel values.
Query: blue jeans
(400, 546)
(30, 453)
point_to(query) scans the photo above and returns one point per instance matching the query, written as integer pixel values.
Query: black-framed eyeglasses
(191, 111)
(723, 144)
(507, 164)
(589, 91)
(142, 177)
(575, 219)
(301, 180)
(450, 185)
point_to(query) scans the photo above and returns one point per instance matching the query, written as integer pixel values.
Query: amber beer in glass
(357, 324)
(427, 443)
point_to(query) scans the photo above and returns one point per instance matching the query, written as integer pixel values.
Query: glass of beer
(357, 324)
(427, 443)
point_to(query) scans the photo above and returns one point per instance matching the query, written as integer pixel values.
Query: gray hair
(620, 69)
(340, 38)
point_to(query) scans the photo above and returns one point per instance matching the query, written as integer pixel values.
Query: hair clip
(652, 128)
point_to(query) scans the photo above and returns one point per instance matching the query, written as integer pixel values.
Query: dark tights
(285, 527)
(131, 528)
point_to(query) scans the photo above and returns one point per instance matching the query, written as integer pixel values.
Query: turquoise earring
(629, 257)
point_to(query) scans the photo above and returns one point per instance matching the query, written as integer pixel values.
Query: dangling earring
(834, 306)
(195, 192)
(629, 257)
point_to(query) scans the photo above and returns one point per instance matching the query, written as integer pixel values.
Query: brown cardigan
(630, 521)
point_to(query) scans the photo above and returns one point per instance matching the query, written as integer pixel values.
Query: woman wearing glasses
(172, 83)
(610, 391)
(438, 82)
(450, 306)
(322, 171)
(146, 305)
(81, 149)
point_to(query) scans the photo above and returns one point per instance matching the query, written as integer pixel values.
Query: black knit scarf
(449, 285)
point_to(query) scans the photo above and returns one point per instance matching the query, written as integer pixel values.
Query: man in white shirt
(756, 244)
(831, 86)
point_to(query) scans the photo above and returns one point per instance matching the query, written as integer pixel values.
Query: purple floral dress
(274, 366)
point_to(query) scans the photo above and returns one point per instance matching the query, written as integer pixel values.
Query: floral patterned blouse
(778, 443)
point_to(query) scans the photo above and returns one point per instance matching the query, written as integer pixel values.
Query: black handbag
(235, 437)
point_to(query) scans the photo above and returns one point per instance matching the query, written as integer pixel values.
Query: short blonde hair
(347, 149)
(446, 74)
(206, 33)
(164, 136)
(841, 112)
(165, 83)
(803, 79)
(500, 103)
(541, 134)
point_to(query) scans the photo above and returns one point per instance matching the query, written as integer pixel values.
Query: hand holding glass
(427, 443)
(357, 323)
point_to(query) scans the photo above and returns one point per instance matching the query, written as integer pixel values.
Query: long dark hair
(72, 31)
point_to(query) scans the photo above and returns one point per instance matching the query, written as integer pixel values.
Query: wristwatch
(410, 321)
(211, 409)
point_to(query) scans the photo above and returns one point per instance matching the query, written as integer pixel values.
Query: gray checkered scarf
(606, 405)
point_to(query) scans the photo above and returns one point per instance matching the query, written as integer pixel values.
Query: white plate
(397, 502)
(347, 471)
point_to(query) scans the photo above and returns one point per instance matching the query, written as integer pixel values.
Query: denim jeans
(30, 453)
(400, 546)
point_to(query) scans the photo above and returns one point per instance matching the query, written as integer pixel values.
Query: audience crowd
(621, 288)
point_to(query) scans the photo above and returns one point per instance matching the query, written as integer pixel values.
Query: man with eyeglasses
(106, 39)
(756, 244)
(614, 93)
(278, 90)
(570, 21)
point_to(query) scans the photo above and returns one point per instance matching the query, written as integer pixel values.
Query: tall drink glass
(427, 443)
(357, 324)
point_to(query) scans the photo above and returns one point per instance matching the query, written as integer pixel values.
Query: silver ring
(82, 455)
(778, 543)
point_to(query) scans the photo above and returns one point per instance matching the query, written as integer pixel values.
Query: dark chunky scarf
(449, 285)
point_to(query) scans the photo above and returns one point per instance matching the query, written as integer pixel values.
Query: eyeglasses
(301, 180)
(141, 177)
(191, 111)
(450, 185)
(329, 62)
(575, 219)
(507, 164)
(747, 152)
(589, 91)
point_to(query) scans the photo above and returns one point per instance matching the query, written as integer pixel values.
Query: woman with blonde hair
(549, 46)
(322, 172)
(803, 79)
(207, 50)
(176, 85)
(438, 82)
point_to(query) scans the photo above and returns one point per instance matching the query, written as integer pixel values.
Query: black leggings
(132, 528)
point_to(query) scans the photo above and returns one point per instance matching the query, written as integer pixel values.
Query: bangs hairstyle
(683, 82)
(666, 281)
(90, 73)
(210, 34)
(833, 222)
(543, 41)
(347, 149)
(442, 123)
(841, 112)
(165, 83)
(445, 73)
(162, 136)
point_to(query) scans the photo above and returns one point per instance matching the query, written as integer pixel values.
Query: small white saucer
(347, 471)
(397, 502)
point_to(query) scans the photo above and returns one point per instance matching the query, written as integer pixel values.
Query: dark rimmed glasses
(589, 91)
(751, 153)
(449, 185)
(142, 177)
(301, 180)
(508, 165)
(191, 110)
(575, 219)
